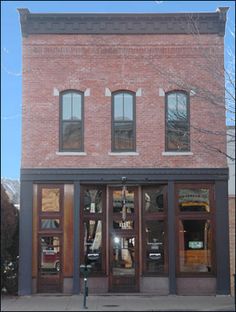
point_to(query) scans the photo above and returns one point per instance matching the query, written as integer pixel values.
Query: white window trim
(71, 153)
(123, 153)
(177, 153)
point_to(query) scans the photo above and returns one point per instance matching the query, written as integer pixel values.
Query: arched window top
(71, 101)
(123, 105)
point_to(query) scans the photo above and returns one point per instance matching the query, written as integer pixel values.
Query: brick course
(118, 62)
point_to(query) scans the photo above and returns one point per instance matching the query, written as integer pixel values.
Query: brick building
(115, 169)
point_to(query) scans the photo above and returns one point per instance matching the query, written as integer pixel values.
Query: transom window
(123, 121)
(177, 121)
(71, 128)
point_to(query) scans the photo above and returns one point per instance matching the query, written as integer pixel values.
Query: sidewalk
(118, 303)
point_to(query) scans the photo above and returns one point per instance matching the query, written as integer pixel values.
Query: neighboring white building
(231, 190)
(231, 163)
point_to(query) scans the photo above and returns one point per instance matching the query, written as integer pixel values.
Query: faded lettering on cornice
(119, 51)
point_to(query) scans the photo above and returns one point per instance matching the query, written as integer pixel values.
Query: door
(123, 240)
(49, 264)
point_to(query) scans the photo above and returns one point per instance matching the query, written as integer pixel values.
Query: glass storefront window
(50, 199)
(93, 201)
(93, 244)
(154, 199)
(194, 200)
(129, 201)
(195, 245)
(155, 246)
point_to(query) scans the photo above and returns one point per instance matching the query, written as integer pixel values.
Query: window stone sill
(177, 153)
(71, 153)
(123, 154)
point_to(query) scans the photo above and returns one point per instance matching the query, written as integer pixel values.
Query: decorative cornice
(123, 23)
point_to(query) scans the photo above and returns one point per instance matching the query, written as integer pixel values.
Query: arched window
(123, 121)
(71, 121)
(177, 121)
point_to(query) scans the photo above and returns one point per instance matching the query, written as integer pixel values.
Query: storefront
(161, 231)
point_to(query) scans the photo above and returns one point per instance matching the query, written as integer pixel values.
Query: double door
(123, 240)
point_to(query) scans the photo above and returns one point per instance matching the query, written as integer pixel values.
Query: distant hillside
(12, 188)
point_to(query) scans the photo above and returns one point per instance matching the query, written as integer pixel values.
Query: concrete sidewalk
(118, 303)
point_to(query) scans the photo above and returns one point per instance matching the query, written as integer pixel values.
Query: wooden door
(123, 240)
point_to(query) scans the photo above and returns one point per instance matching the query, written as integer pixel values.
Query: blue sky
(11, 55)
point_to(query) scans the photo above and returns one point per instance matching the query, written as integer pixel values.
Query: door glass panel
(154, 199)
(155, 257)
(194, 200)
(123, 225)
(50, 255)
(50, 199)
(195, 245)
(123, 255)
(93, 201)
(129, 201)
(93, 244)
(50, 224)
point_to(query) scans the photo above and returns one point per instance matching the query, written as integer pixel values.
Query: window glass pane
(155, 257)
(177, 136)
(52, 224)
(181, 107)
(93, 244)
(124, 136)
(195, 245)
(128, 106)
(93, 201)
(118, 106)
(76, 106)
(72, 135)
(123, 255)
(123, 225)
(50, 199)
(129, 201)
(177, 106)
(50, 255)
(154, 199)
(66, 106)
(194, 200)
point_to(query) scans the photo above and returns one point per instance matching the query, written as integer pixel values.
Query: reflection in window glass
(123, 255)
(51, 224)
(195, 245)
(194, 200)
(155, 246)
(123, 122)
(154, 199)
(177, 123)
(117, 201)
(93, 201)
(123, 225)
(93, 244)
(50, 255)
(124, 135)
(72, 135)
(50, 199)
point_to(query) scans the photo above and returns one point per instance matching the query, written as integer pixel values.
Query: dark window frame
(113, 148)
(96, 216)
(196, 215)
(61, 149)
(167, 149)
(155, 216)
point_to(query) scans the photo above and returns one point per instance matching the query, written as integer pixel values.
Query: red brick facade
(152, 63)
